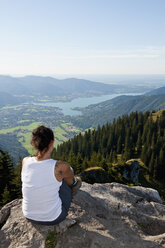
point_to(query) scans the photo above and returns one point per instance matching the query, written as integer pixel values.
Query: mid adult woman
(47, 184)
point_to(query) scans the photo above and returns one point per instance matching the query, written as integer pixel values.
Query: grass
(10, 130)
(157, 114)
(51, 240)
(25, 141)
(28, 127)
(23, 121)
(94, 168)
(23, 134)
(12, 107)
(66, 124)
(57, 142)
(22, 128)
(59, 133)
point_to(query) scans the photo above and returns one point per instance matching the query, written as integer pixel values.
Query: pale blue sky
(49, 37)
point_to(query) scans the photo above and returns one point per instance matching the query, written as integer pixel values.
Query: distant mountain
(108, 110)
(159, 91)
(48, 86)
(8, 99)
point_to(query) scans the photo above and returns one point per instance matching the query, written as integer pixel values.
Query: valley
(68, 106)
(18, 121)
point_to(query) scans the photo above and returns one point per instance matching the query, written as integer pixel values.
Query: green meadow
(62, 133)
(20, 120)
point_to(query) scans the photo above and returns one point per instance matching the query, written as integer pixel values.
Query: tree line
(137, 135)
(10, 180)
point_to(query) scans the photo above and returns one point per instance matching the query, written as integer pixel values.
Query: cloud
(122, 56)
(148, 52)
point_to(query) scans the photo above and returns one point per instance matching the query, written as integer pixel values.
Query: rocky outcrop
(107, 216)
(131, 172)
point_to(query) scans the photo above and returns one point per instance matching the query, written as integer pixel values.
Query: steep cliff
(108, 215)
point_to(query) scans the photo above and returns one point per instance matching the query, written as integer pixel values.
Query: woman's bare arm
(23, 161)
(64, 171)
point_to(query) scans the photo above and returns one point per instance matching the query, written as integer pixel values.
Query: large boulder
(108, 215)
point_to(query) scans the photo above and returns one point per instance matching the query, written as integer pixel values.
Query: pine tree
(79, 161)
(119, 145)
(128, 146)
(111, 156)
(155, 171)
(85, 164)
(145, 131)
(139, 143)
(151, 164)
(17, 180)
(6, 197)
(161, 165)
(114, 157)
(104, 164)
(72, 160)
(94, 160)
(7, 173)
(144, 153)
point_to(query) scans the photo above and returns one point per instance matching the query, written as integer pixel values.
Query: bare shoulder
(24, 160)
(62, 165)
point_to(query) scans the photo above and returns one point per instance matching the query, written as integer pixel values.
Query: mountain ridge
(108, 110)
(158, 91)
(49, 85)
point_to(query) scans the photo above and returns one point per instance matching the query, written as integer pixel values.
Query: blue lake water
(67, 107)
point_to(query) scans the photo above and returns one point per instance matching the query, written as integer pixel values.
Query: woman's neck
(45, 156)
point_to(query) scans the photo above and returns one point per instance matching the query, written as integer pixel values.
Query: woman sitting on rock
(47, 184)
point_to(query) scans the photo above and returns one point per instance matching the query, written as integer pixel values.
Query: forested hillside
(159, 91)
(138, 135)
(10, 142)
(8, 99)
(108, 110)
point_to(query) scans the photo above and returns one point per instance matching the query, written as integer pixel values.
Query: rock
(108, 215)
(132, 170)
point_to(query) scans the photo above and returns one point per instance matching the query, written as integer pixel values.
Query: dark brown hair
(41, 138)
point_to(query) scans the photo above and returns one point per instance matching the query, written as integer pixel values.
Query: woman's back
(40, 189)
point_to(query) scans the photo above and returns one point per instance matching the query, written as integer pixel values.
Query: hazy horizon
(106, 78)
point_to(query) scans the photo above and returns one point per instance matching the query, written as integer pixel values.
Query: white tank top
(40, 190)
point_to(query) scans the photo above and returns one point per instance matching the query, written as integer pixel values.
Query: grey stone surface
(132, 172)
(108, 216)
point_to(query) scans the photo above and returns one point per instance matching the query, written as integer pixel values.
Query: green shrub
(51, 240)
(95, 175)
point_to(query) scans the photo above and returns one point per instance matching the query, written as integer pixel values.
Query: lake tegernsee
(81, 102)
